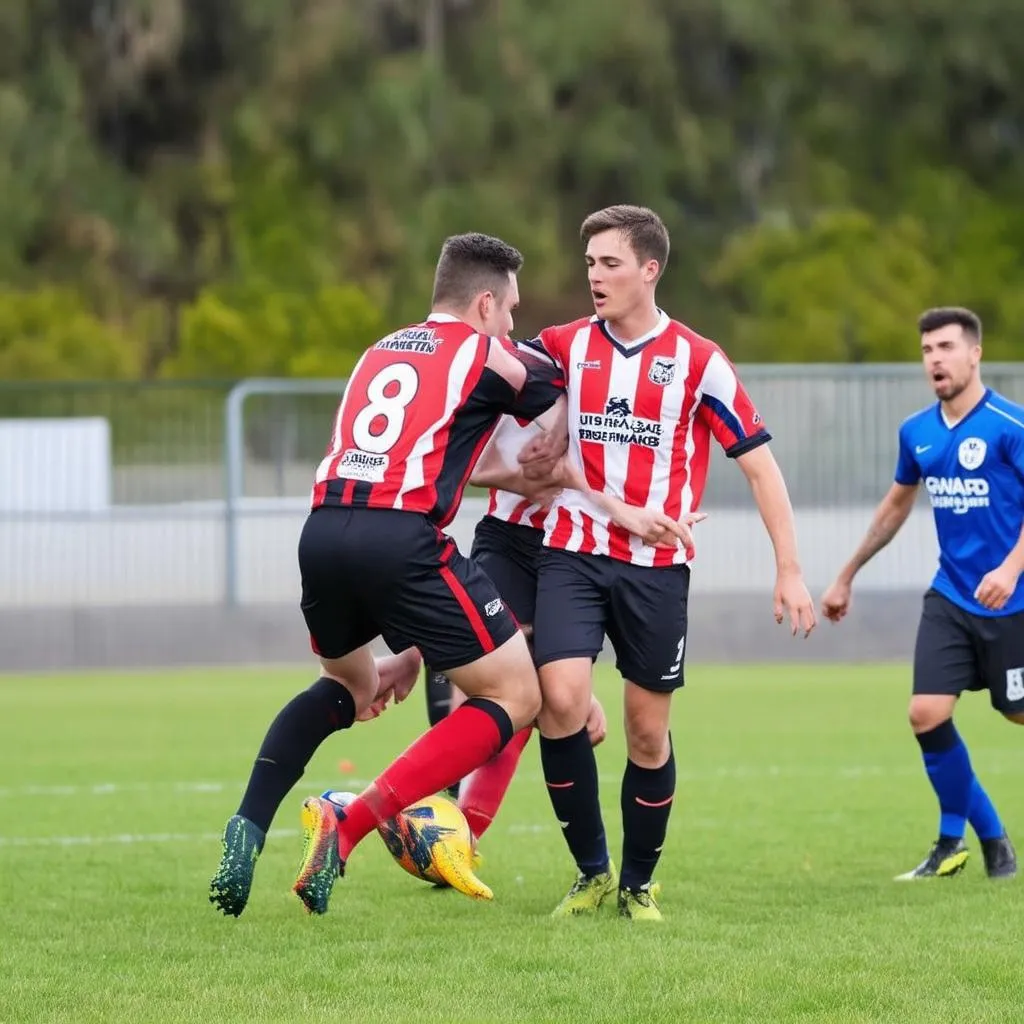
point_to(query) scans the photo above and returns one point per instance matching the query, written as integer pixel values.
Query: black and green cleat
(229, 888)
(947, 858)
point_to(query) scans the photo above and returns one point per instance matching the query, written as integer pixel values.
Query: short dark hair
(943, 316)
(645, 230)
(473, 263)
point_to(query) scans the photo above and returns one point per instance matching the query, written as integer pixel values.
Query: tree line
(213, 190)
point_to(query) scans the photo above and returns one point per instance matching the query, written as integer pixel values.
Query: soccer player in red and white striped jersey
(419, 407)
(646, 396)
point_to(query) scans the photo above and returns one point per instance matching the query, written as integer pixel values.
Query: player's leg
(509, 554)
(1002, 653)
(945, 665)
(647, 628)
(568, 635)
(349, 680)
(450, 610)
(440, 696)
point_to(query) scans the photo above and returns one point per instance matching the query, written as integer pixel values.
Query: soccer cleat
(229, 887)
(1000, 857)
(946, 858)
(639, 904)
(587, 893)
(321, 862)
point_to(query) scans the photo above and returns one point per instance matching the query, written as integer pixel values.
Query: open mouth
(598, 295)
(938, 377)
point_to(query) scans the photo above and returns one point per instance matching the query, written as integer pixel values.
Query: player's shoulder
(1003, 412)
(921, 420)
(701, 346)
(559, 333)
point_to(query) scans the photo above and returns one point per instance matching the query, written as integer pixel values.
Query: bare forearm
(885, 524)
(772, 499)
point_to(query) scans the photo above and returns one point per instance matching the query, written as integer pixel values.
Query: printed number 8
(390, 407)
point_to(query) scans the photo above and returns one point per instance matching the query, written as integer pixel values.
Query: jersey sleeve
(727, 409)
(545, 384)
(907, 472)
(1015, 449)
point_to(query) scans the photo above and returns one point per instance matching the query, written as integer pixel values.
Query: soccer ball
(430, 840)
(413, 836)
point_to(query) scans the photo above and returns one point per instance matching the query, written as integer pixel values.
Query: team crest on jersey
(360, 465)
(618, 407)
(972, 453)
(662, 371)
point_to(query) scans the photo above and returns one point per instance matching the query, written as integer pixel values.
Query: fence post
(234, 456)
(234, 484)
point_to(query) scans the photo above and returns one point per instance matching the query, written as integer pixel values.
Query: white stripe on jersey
(325, 464)
(458, 372)
(661, 472)
(510, 438)
(624, 383)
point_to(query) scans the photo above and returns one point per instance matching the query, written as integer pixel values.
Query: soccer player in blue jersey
(968, 449)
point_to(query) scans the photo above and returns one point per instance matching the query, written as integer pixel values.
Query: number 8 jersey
(419, 407)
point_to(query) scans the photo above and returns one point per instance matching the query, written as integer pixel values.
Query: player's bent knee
(1017, 717)
(566, 687)
(505, 675)
(357, 672)
(929, 711)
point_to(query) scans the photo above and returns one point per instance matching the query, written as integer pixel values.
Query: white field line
(128, 839)
(805, 771)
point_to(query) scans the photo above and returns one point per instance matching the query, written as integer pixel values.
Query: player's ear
(651, 270)
(485, 305)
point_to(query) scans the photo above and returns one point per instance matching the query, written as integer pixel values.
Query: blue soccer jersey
(974, 475)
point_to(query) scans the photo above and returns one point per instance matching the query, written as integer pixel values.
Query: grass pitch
(800, 795)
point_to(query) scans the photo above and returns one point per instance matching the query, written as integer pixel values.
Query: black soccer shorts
(957, 651)
(510, 555)
(370, 572)
(641, 609)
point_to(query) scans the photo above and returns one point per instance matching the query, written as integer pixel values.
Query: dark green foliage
(191, 188)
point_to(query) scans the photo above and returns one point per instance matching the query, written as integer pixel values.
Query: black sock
(647, 795)
(439, 706)
(439, 695)
(291, 741)
(570, 771)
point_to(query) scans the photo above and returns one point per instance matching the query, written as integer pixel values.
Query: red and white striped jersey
(419, 407)
(641, 418)
(510, 437)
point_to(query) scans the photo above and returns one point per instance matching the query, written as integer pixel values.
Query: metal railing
(209, 483)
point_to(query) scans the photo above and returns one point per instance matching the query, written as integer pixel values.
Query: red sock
(482, 792)
(462, 741)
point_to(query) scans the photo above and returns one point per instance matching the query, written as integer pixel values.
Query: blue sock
(949, 770)
(983, 815)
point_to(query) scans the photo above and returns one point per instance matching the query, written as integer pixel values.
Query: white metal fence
(207, 487)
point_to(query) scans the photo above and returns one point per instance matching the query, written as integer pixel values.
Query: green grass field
(801, 795)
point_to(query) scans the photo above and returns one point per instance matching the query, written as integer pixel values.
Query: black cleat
(1000, 857)
(243, 841)
(946, 858)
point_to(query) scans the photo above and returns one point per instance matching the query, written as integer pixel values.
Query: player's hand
(539, 492)
(792, 596)
(657, 529)
(996, 587)
(835, 602)
(597, 724)
(376, 709)
(540, 454)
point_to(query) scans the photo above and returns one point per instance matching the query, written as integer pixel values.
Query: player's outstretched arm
(772, 498)
(891, 514)
(999, 585)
